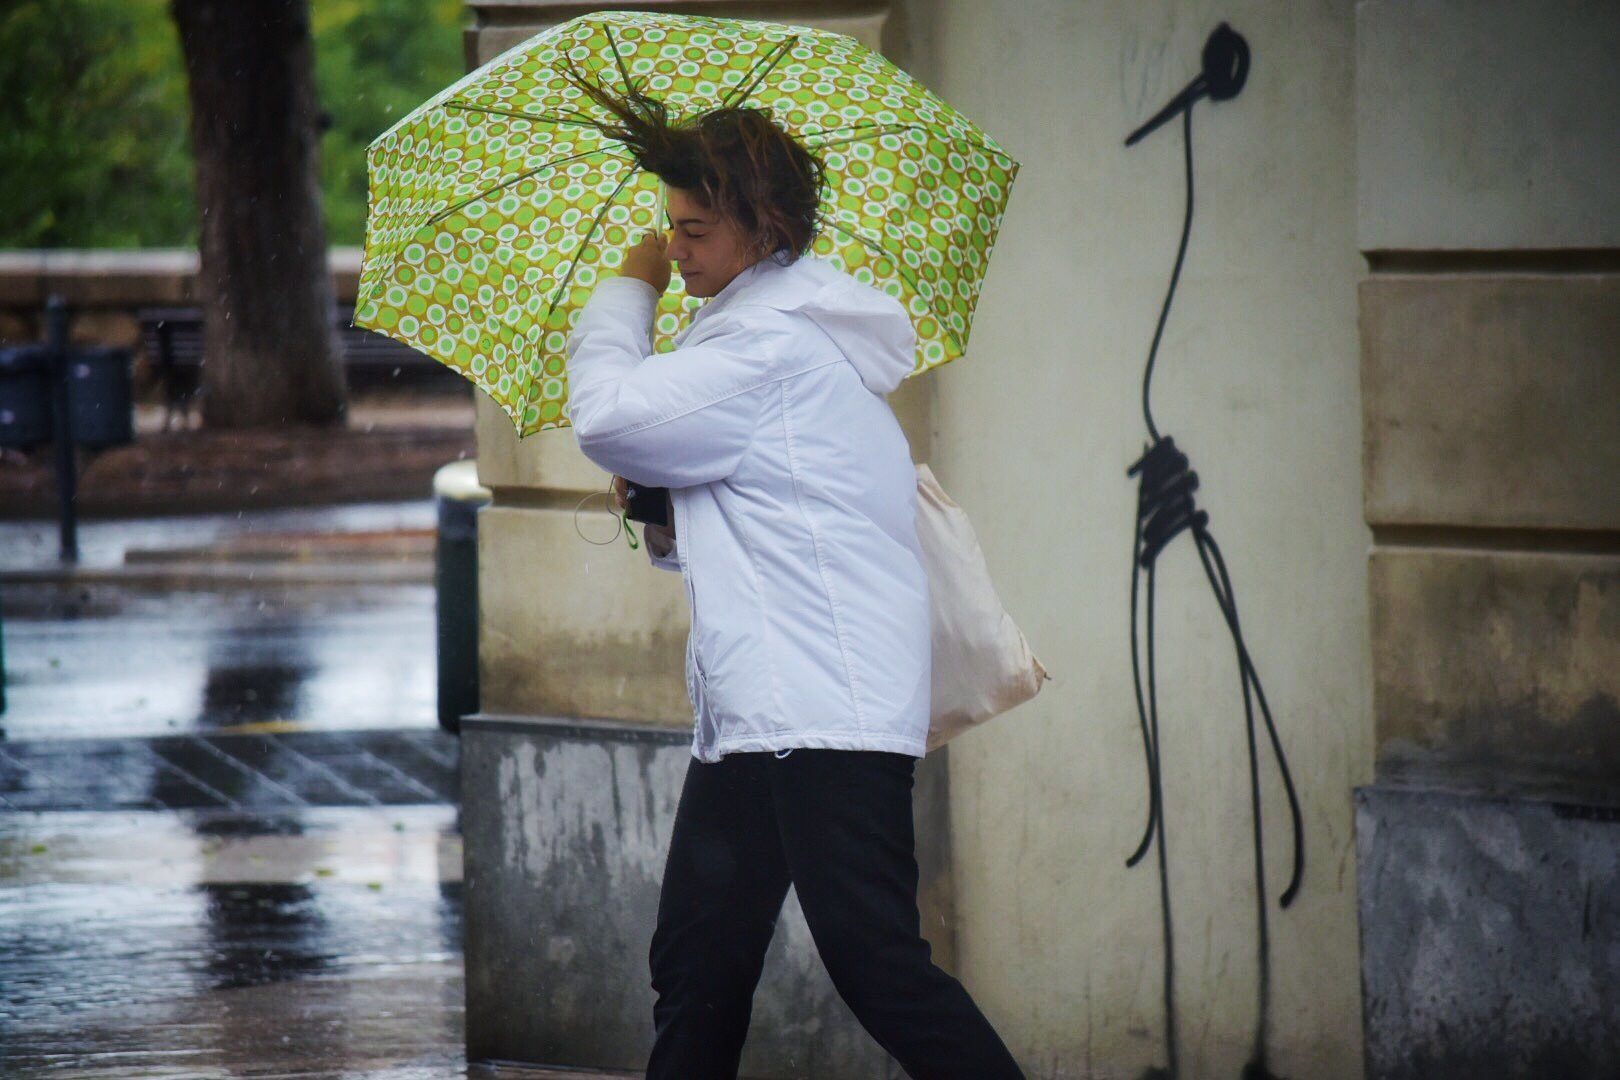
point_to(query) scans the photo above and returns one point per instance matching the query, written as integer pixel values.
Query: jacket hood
(870, 327)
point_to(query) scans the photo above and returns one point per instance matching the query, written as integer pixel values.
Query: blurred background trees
(104, 159)
(265, 286)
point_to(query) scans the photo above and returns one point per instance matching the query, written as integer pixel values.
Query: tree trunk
(270, 352)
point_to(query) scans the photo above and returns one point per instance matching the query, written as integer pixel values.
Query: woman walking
(793, 496)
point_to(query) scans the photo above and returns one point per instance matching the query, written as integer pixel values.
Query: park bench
(173, 339)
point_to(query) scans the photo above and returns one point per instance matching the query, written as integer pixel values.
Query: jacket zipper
(699, 692)
(691, 600)
(682, 529)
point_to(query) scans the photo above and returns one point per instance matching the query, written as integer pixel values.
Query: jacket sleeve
(672, 419)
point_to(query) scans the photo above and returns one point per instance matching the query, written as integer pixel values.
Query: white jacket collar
(869, 326)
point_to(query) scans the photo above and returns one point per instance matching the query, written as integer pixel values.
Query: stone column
(572, 770)
(1490, 328)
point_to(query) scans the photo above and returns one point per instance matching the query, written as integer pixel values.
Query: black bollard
(459, 497)
(56, 317)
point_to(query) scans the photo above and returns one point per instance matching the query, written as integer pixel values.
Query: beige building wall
(1257, 380)
(1490, 211)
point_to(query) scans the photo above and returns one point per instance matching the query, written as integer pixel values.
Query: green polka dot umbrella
(496, 206)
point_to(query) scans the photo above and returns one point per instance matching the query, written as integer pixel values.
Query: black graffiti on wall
(1165, 508)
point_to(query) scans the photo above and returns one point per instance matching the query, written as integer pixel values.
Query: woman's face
(708, 250)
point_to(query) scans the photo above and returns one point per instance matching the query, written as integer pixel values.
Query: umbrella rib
(607, 204)
(773, 58)
(884, 129)
(518, 114)
(624, 72)
(898, 268)
(382, 281)
(518, 179)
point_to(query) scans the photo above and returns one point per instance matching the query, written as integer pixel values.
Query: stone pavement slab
(269, 771)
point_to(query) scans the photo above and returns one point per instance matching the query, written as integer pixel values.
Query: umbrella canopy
(496, 205)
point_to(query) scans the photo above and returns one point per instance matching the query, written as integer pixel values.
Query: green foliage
(94, 148)
(375, 61)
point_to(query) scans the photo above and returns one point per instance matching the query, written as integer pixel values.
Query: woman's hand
(647, 260)
(660, 539)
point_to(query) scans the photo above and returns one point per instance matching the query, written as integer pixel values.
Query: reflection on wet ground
(315, 617)
(319, 943)
(107, 659)
(168, 944)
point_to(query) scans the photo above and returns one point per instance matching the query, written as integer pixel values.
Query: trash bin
(25, 396)
(459, 496)
(101, 398)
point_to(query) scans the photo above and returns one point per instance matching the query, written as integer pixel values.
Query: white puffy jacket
(794, 499)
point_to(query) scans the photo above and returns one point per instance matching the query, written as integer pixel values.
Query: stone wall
(1490, 333)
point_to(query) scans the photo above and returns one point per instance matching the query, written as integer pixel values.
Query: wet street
(229, 820)
(300, 618)
(215, 944)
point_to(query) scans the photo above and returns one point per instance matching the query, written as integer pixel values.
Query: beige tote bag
(982, 666)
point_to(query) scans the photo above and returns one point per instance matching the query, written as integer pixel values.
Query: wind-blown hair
(735, 161)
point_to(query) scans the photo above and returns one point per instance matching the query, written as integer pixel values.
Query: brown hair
(734, 160)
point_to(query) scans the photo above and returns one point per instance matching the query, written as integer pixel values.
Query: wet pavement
(176, 624)
(229, 822)
(175, 944)
(104, 542)
(268, 772)
(112, 658)
(324, 943)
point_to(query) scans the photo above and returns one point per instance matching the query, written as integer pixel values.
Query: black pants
(837, 825)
